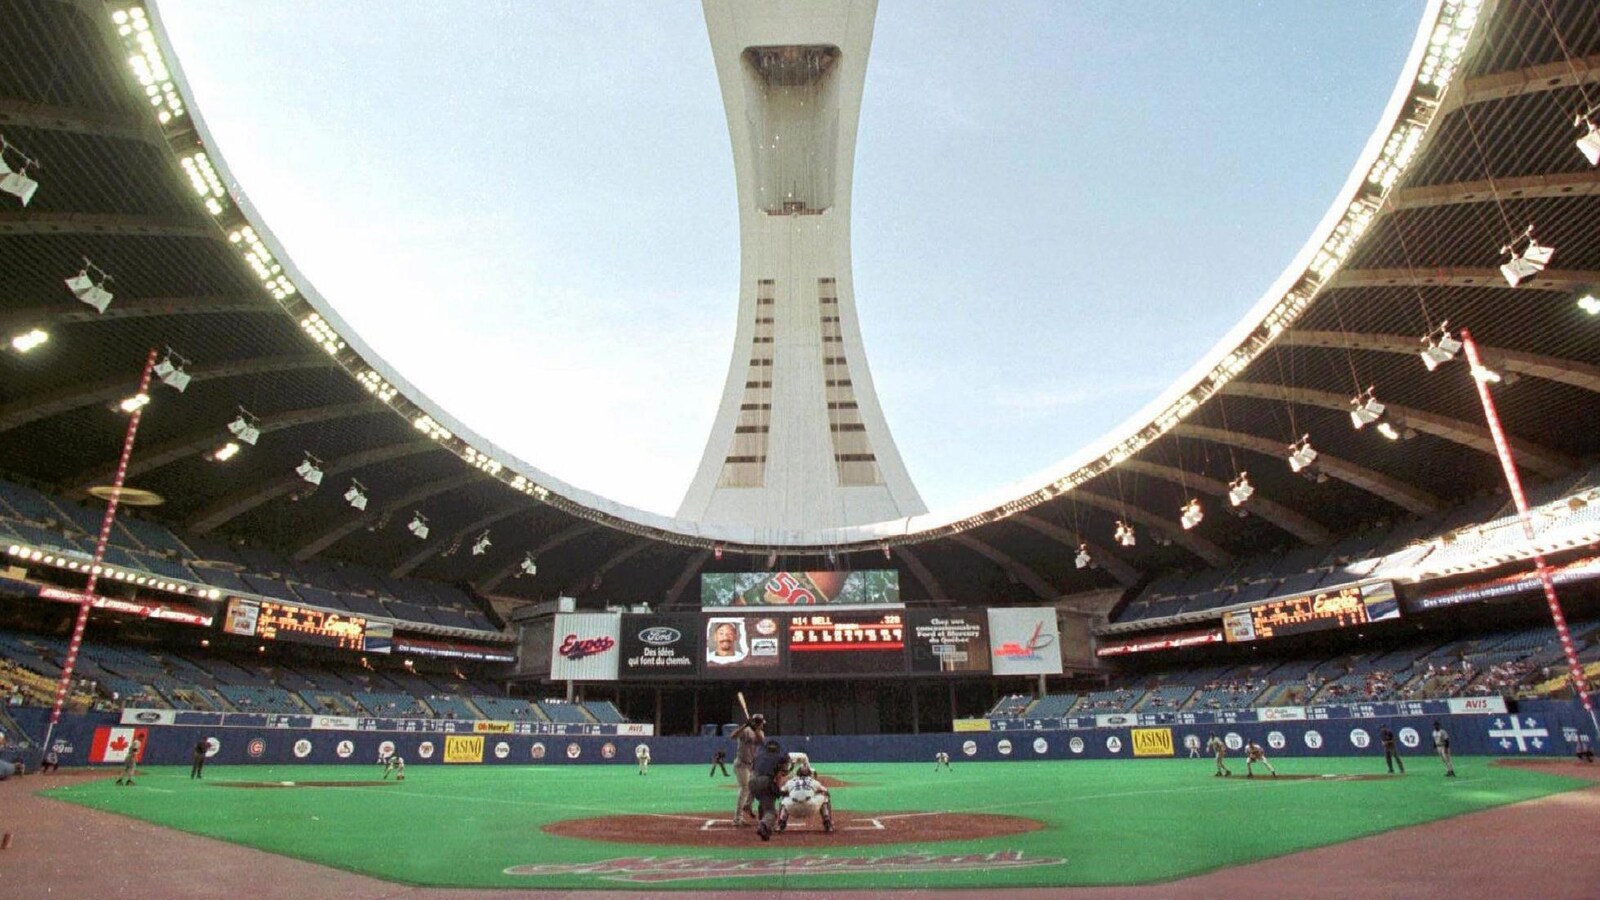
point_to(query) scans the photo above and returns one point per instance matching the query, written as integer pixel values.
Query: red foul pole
(86, 599)
(1502, 447)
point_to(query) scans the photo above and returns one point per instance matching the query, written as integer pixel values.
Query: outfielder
(643, 753)
(941, 759)
(805, 798)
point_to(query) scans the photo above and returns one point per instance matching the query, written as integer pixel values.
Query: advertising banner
(584, 647)
(379, 637)
(1238, 625)
(660, 646)
(1477, 705)
(459, 748)
(133, 716)
(739, 645)
(873, 587)
(1152, 741)
(241, 616)
(971, 725)
(948, 640)
(1024, 641)
(1112, 647)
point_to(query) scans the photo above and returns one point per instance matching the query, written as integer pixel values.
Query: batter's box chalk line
(872, 825)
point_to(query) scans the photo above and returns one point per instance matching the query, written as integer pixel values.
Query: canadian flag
(111, 744)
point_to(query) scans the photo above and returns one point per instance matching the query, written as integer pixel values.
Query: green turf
(1111, 823)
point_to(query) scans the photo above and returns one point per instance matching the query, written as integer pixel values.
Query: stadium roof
(1476, 145)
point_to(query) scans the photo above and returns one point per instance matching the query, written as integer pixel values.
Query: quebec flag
(1522, 732)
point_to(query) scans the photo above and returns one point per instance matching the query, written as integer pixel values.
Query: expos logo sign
(574, 647)
(660, 636)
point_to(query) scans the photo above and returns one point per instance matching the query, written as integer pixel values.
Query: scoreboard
(847, 643)
(1342, 607)
(282, 622)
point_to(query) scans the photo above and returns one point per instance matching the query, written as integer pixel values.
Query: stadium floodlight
(245, 427)
(1365, 409)
(528, 566)
(418, 526)
(1590, 304)
(16, 182)
(1083, 559)
(480, 544)
(356, 495)
(1589, 144)
(1240, 489)
(310, 470)
(135, 403)
(84, 286)
(1388, 430)
(29, 340)
(1125, 535)
(1530, 261)
(1301, 455)
(225, 452)
(1439, 346)
(1192, 514)
(170, 371)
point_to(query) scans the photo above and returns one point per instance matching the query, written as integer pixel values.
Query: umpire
(768, 770)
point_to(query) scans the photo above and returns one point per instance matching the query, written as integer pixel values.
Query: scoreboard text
(847, 643)
(281, 622)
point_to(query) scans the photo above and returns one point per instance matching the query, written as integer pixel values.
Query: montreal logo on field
(660, 636)
(573, 647)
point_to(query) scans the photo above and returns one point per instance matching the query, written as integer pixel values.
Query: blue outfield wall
(1537, 728)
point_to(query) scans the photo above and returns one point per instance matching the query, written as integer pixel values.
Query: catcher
(804, 797)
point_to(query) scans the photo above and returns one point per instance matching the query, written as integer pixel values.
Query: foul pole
(1502, 447)
(86, 599)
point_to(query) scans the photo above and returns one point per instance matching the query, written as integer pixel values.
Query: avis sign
(584, 647)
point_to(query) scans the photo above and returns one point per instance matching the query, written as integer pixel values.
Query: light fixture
(245, 427)
(1083, 559)
(1589, 144)
(170, 371)
(310, 470)
(1590, 304)
(356, 495)
(1486, 375)
(84, 286)
(480, 545)
(1388, 430)
(1125, 535)
(1439, 346)
(1192, 514)
(418, 526)
(1365, 409)
(528, 566)
(29, 340)
(1240, 489)
(135, 403)
(1301, 455)
(225, 452)
(1529, 262)
(16, 181)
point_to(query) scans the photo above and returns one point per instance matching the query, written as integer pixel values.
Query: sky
(528, 208)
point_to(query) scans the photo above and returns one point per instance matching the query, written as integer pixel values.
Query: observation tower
(800, 442)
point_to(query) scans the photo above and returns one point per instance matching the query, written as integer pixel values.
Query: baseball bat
(742, 708)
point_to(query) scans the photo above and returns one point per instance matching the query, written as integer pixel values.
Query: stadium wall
(1537, 728)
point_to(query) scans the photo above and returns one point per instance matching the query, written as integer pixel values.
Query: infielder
(1254, 754)
(941, 759)
(642, 752)
(394, 763)
(1220, 748)
(804, 798)
(130, 764)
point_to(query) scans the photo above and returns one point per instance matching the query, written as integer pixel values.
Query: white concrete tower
(800, 444)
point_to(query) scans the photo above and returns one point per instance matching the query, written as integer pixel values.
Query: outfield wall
(1537, 728)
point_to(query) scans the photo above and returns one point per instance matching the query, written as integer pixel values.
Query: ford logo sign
(660, 635)
(148, 717)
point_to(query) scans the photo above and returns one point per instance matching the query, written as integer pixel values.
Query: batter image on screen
(726, 642)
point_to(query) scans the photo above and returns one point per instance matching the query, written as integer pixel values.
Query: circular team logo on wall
(608, 750)
(1075, 745)
(1114, 744)
(1276, 740)
(502, 750)
(1410, 738)
(970, 748)
(256, 748)
(425, 750)
(1360, 738)
(537, 750)
(386, 749)
(1004, 747)
(302, 748)
(1233, 740)
(1191, 742)
(574, 750)
(1040, 745)
(213, 747)
(344, 749)
(1314, 740)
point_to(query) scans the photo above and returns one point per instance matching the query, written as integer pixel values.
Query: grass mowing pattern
(1113, 822)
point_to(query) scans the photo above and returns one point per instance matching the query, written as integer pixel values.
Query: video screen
(847, 643)
(873, 587)
(947, 640)
(742, 645)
